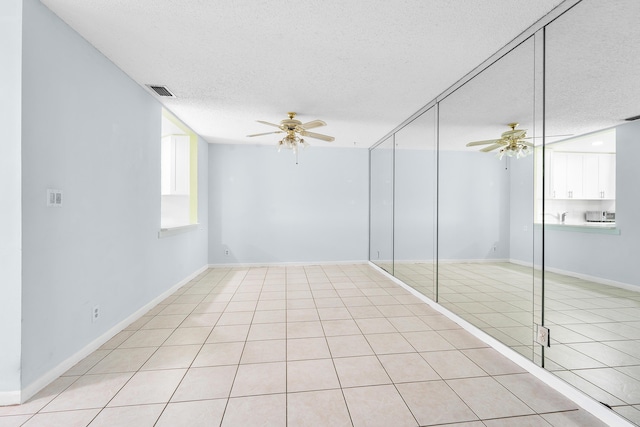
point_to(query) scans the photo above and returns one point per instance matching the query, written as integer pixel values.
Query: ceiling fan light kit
(294, 130)
(512, 143)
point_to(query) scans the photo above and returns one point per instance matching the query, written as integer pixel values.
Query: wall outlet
(226, 252)
(543, 336)
(95, 313)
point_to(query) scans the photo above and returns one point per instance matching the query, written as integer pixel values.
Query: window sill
(172, 231)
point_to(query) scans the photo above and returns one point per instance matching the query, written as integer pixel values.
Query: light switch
(54, 198)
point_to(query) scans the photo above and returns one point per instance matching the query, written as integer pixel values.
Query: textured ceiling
(361, 66)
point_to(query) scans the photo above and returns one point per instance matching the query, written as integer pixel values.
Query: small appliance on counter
(600, 216)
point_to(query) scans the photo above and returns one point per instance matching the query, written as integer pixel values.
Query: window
(179, 174)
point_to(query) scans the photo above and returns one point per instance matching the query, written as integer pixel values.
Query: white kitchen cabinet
(566, 176)
(607, 176)
(175, 165)
(582, 175)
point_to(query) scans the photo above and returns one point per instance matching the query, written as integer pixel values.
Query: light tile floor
(297, 346)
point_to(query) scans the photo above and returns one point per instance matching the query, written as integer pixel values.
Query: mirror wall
(381, 205)
(549, 239)
(415, 203)
(485, 210)
(592, 201)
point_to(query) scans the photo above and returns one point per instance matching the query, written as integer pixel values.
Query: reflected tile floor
(297, 346)
(595, 328)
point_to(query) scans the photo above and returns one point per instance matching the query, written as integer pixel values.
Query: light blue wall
(473, 211)
(415, 201)
(612, 257)
(90, 131)
(521, 212)
(264, 208)
(10, 193)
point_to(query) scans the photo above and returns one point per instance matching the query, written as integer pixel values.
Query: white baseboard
(586, 402)
(9, 398)
(37, 385)
(285, 264)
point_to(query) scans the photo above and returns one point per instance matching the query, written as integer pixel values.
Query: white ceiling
(361, 66)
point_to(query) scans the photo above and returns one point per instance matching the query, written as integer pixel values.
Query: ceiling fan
(512, 143)
(295, 130)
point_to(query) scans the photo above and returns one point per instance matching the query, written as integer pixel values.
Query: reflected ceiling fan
(295, 130)
(512, 143)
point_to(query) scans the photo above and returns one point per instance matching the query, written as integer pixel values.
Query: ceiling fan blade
(527, 143)
(515, 133)
(317, 136)
(313, 124)
(268, 124)
(548, 136)
(485, 142)
(492, 147)
(266, 133)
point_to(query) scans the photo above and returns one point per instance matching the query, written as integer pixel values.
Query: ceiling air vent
(161, 91)
(630, 119)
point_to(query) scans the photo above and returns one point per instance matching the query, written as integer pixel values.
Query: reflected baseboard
(581, 276)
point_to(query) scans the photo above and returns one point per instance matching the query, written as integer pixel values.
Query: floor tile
(573, 419)
(270, 410)
(524, 421)
(89, 391)
(308, 375)
(146, 338)
(304, 329)
(200, 319)
(228, 333)
(452, 364)
(264, 351)
(349, 345)
(269, 316)
(206, 383)
(172, 357)
(165, 322)
(487, 398)
(409, 324)
(427, 341)
(317, 408)
(186, 336)
(18, 420)
(202, 413)
(117, 339)
(434, 402)
(407, 367)
(535, 393)
(42, 398)
(340, 327)
(378, 406)
(149, 387)
(80, 418)
(267, 331)
(260, 378)
(376, 325)
(492, 362)
(236, 318)
(127, 416)
(226, 353)
(307, 348)
(302, 315)
(389, 343)
(87, 363)
(123, 360)
(360, 371)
